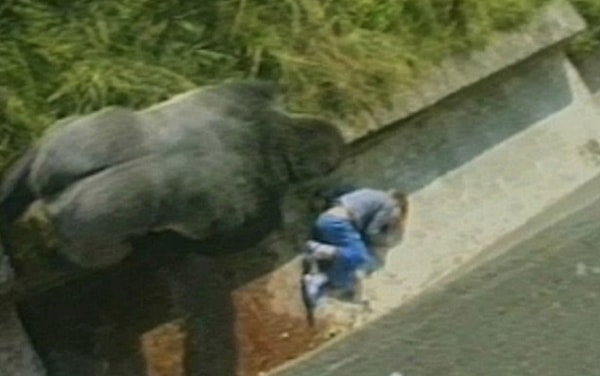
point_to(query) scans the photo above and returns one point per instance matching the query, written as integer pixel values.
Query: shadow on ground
(166, 310)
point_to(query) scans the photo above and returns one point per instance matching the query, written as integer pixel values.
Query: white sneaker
(313, 285)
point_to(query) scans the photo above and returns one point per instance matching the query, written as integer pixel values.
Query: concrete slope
(530, 311)
(485, 205)
(470, 208)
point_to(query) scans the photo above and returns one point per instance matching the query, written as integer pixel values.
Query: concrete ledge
(556, 23)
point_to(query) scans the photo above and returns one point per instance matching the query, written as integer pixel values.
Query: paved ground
(532, 311)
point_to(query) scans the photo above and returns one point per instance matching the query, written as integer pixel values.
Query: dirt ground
(268, 330)
(267, 339)
(164, 350)
(197, 314)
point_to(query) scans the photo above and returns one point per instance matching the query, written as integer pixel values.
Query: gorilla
(201, 164)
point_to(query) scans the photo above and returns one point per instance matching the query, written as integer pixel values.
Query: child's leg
(321, 251)
(352, 259)
(314, 286)
(340, 242)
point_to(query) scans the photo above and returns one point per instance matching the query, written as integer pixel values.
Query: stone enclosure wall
(486, 144)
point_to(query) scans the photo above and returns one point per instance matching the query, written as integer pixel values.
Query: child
(345, 236)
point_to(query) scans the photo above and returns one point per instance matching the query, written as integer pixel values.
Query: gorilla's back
(200, 120)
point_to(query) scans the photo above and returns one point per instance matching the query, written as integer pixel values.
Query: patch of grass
(589, 40)
(335, 57)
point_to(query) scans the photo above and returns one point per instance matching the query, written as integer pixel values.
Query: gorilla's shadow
(94, 325)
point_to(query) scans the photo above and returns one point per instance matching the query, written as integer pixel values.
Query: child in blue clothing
(345, 236)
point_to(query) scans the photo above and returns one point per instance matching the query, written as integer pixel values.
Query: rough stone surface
(17, 358)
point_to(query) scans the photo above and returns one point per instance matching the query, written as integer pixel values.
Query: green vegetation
(589, 40)
(335, 57)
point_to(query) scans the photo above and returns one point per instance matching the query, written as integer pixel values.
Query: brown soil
(264, 339)
(164, 350)
(267, 339)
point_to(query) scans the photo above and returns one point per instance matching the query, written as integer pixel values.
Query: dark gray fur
(200, 164)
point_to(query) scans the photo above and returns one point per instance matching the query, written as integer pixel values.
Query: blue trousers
(353, 253)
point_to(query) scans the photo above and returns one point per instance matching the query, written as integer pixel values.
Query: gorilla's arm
(194, 194)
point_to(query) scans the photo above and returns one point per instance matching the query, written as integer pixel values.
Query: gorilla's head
(315, 148)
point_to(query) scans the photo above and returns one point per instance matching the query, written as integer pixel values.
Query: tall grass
(335, 57)
(590, 39)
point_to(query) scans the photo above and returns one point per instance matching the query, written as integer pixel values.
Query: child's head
(401, 210)
(402, 200)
